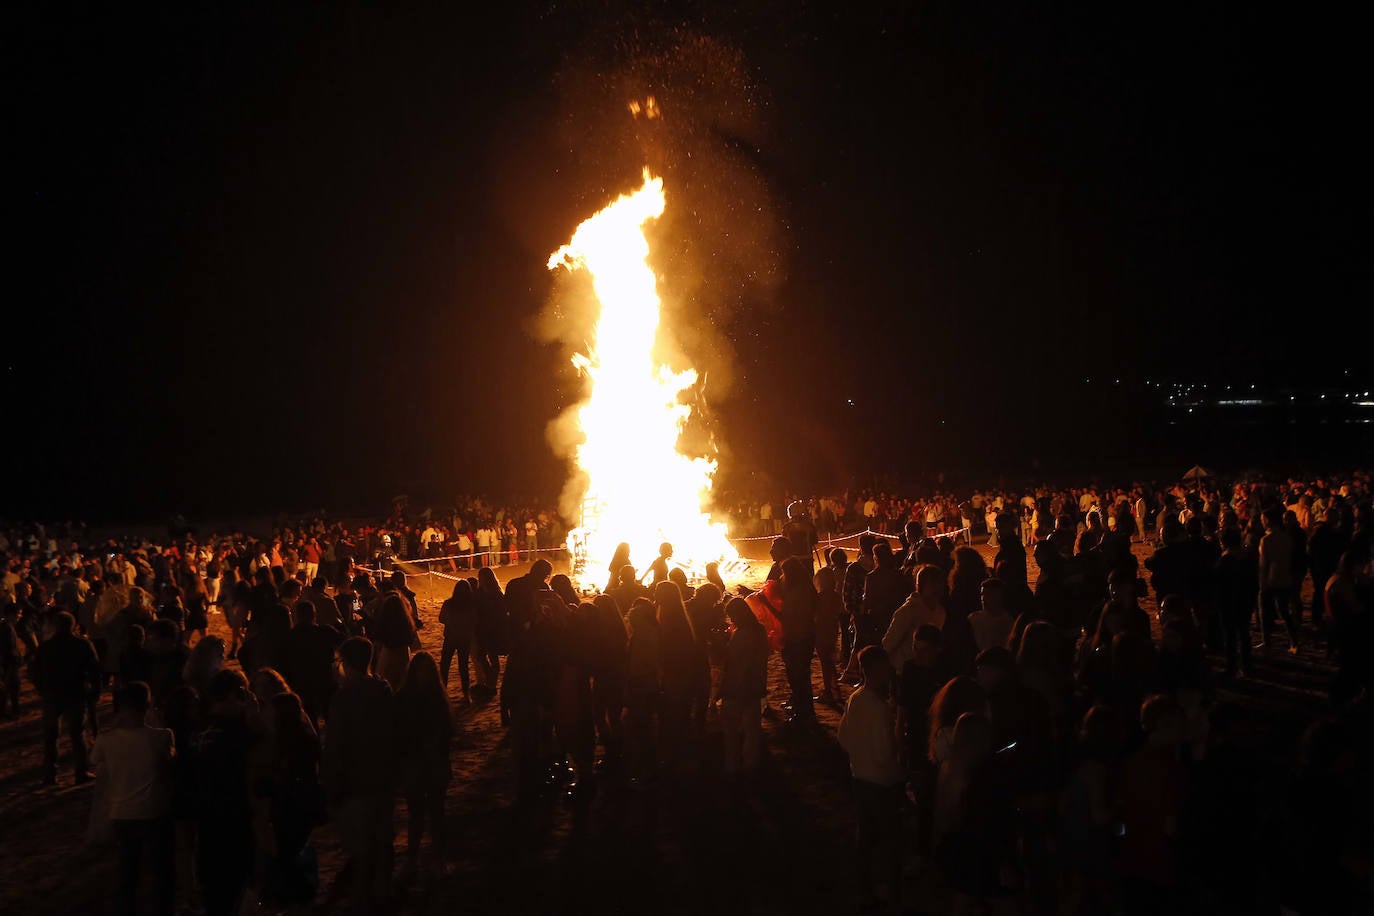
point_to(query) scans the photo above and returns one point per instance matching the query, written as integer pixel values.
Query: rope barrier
(763, 537)
(966, 531)
(479, 553)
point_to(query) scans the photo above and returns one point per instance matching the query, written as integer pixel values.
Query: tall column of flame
(640, 489)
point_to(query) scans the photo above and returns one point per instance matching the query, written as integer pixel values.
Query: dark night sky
(280, 255)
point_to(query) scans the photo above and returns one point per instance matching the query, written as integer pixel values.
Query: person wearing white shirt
(431, 540)
(868, 734)
(531, 537)
(134, 768)
(484, 546)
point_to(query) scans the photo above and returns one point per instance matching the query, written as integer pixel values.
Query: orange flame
(640, 489)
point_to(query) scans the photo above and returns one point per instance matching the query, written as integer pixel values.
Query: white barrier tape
(858, 534)
(478, 553)
(409, 575)
(945, 534)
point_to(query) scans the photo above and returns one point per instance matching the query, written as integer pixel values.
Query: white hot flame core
(640, 489)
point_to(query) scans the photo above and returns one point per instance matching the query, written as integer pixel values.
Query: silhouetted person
(798, 618)
(744, 684)
(1237, 587)
(294, 796)
(619, 560)
(223, 806)
(659, 568)
(425, 733)
(1276, 579)
(358, 771)
(326, 608)
(629, 589)
(608, 659)
(491, 631)
(308, 660)
(458, 616)
(66, 673)
(885, 588)
(685, 673)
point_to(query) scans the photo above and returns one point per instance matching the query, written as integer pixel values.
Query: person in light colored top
(484, 546)
(925, 605)
(992, 625)
(531, 537)
(134, 767)
(868, 734)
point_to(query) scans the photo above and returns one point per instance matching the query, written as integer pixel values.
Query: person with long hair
(295, 800)
(744, 683)
(491, 632)
(1043, 665)
(458, 616)
(619, 560)
(394, 633)
(643, 677)
(974, 827)
(963, 598)
(684, 667)
(609, 658)
(562, 586)
(572, 690)
(425, 730)
(959, 695)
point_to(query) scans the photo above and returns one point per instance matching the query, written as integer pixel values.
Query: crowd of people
(1014, 744)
